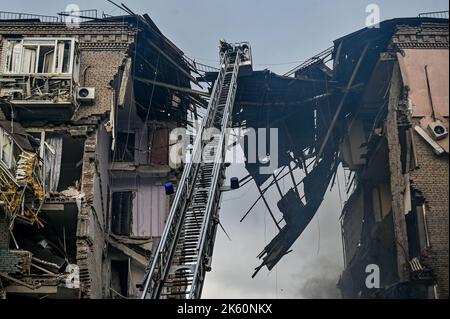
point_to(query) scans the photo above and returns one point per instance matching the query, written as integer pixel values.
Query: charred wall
(431, 178)
(404, 167)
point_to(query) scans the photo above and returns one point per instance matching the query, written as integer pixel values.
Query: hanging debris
(21, 182)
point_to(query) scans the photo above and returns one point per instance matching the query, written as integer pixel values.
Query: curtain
(29, 60)
(6, 148)
(52, 162)
(59, 57)
(15, 57)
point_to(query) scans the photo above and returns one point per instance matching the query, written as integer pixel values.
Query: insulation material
(20, 181)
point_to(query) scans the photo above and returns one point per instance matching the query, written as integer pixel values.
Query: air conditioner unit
(85, 93)
(438, 130)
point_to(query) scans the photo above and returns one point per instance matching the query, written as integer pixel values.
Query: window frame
(3, 134)
(116, 156)
(38, 42)
(113, 214)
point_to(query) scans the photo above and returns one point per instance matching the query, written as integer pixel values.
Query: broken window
(39, 55)
(6, 148)
(63, 56)
(416, 226)
(125, 145)
(71, 162)
(39, 69)
(121, 212)
(46, 56)
(63, 168)
(13, 51)
(29, 59)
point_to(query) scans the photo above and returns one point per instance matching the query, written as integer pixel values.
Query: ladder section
(184, 252)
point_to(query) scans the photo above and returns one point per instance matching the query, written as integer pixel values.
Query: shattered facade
(395, 144)
(85, 122)
(377, 104)
(85, 119)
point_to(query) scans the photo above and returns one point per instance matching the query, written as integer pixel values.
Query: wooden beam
(17, 281)
(341, 104)
(124, 83)
(311, 99)
(53, 207)
(47, 290)
(128, 251)
(175, 64)
(171, 86)
(147, 62)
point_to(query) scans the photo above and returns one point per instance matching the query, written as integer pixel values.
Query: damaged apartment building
(376, 102)
(394, 142)
(85, 121)
(86, 112)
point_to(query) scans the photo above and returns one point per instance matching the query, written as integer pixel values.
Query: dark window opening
(108, 207)
(413, 234)
(119, 278)
(125, 146)
(63, 156)
(71, 162)
(121, 212)
(45, 60)
(415, 227)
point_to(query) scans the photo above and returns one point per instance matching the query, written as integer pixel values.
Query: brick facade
(431, 178)
(99, 67)
(103, 48)
(418, 178)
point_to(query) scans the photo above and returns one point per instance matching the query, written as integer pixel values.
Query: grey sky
(281, 33)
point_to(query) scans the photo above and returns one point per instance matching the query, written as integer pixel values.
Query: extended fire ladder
(184, 252)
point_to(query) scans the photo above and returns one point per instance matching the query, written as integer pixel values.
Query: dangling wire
(339, 190)
(318, 232)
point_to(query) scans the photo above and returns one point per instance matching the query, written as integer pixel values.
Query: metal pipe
(341, 104)
(42, 269)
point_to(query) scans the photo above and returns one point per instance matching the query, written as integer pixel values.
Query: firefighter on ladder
(224, 47)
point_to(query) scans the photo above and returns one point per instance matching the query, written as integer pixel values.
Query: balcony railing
(4, 15)
(82, 15)
(36, 87)
(434, 14)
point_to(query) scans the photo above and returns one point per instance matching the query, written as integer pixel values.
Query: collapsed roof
(310, 111)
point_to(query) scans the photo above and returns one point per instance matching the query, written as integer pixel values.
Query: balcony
(37, 78)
